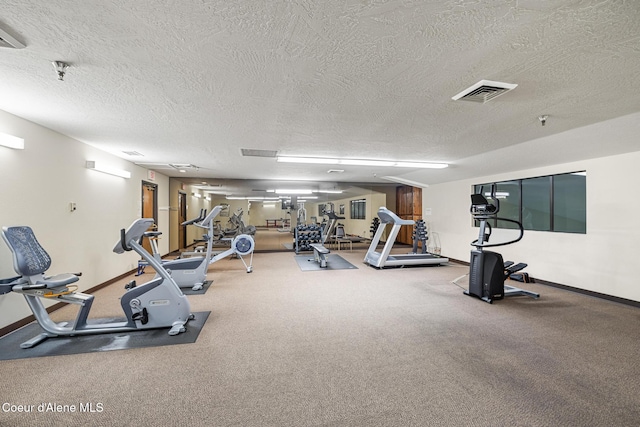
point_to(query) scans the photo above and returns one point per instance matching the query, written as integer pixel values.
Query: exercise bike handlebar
(134, 233)
(200, 217)
(214, 213)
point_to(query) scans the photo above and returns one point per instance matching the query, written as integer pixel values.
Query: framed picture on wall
(341, 209)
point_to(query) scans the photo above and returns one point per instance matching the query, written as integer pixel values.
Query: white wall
(602, 260)
(37, 185)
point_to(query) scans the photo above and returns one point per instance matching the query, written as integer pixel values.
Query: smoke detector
(484, 91)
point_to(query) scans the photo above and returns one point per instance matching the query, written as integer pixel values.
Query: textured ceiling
(195, 81)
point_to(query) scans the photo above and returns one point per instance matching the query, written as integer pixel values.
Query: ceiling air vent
(132, 153)
(248, 152)
(7, 40)
(483, 91)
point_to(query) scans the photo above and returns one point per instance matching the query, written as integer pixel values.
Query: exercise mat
(334, 262)
(64, 345)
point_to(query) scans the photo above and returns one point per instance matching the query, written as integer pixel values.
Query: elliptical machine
(487, 270)
(158, 303)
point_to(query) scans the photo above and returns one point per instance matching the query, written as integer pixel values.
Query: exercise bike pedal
(142, 316)
(177, 328)
(130, 285)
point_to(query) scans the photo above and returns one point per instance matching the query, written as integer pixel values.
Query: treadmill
(384, 259)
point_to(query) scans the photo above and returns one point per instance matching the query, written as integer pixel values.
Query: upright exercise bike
(158, 303)
(488, 271)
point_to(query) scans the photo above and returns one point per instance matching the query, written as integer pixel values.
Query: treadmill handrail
(388, 217)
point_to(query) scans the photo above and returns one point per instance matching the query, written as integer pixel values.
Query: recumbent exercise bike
(158, 303)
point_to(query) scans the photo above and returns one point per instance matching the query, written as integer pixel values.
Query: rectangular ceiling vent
(6, 40)
(484, 91)
(132, 153)
(248, 152)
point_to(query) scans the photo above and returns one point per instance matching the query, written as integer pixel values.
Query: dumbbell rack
(419, 235)
(305, 235)
(374, 226)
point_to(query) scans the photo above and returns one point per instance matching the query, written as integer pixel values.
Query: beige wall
(37, 185)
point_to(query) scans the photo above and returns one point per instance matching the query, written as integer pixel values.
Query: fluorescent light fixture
(7, 40)
(96, 166)
(405, 181)
(292, 191)
(11, 141)
(235, 198)
(328, 191)
(421, 165)
(356, 162)
(314, 160)
(362, 162)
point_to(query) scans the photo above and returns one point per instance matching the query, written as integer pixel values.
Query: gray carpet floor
(362, 347)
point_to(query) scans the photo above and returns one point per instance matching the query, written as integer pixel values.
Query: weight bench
(320, 254)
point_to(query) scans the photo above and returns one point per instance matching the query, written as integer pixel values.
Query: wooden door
(408, 206)
(182, 217)
(149, 208)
